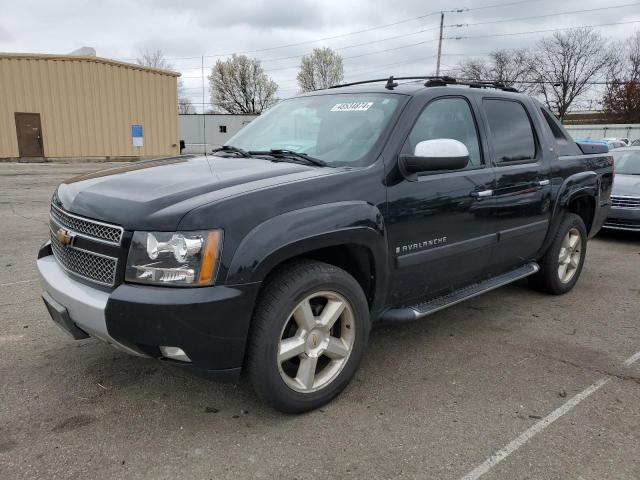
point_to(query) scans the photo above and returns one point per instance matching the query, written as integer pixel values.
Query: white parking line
(537, 427)
(631, 360)
(17, 283)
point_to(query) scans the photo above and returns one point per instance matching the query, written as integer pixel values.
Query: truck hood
(626, 185)
(156, 194)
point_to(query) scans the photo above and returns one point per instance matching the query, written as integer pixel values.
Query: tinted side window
(511, 134)
(448, 118)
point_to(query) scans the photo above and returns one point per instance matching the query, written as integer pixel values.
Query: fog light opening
(174, 353)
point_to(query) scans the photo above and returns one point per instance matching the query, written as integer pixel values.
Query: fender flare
(299, 231)
(582, 184)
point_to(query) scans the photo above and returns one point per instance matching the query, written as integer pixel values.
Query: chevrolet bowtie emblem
(314, 339)
(65, 237)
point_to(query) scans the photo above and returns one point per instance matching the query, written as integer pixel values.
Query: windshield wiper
(232, 149)
(282, 153)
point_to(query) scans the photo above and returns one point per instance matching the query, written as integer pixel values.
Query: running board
(414, 312)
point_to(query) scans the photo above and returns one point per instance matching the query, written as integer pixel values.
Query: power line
(363, 54)
(483, 7)
(307, 42)
(342, 35)
(541, 31)
(450, 26)
(540, 16)
(268, 60)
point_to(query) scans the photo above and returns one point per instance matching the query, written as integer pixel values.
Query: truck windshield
(627, 161)
(341, 129)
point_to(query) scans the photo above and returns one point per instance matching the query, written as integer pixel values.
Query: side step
(414, 312)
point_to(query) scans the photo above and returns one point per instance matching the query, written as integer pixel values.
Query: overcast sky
(191, 28)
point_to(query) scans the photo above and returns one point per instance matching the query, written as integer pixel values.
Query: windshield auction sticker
(351, 107)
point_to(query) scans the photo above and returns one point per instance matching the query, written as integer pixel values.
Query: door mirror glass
(433, 155)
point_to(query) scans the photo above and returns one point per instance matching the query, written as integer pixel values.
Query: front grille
(88, 265)
(93, 229)
(625, 202)
(622, 224)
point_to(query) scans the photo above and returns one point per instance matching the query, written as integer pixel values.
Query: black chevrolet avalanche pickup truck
(275, 254)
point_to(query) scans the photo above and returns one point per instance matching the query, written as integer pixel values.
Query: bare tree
(239, 85)
(621, 100)
(156, 59)
(565, 64)
(185, 106)
(509, 67)
(473, 69)
(320, 69)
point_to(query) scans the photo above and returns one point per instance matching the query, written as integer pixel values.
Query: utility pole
(440, 44)
(204, 113)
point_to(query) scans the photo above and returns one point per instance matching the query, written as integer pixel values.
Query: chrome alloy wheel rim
(316, 341)
(569, 257)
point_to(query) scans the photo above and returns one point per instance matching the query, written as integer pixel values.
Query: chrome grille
(100, 231)
(622, 224)
(88, 265)
(625, 202)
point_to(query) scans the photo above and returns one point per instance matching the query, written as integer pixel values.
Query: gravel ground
(432, 399)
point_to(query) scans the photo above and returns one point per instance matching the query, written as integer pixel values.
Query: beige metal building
(76, 107)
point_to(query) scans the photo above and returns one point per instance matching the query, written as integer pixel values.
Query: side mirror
(434, 155)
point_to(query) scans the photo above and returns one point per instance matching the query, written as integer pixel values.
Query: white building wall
(199, 129)
(611, 130)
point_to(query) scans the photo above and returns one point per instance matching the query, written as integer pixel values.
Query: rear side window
(564, 144)
(511, 135)
(554, 126)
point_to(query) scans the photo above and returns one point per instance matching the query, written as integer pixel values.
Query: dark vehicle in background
(331, 211)
(625, 198)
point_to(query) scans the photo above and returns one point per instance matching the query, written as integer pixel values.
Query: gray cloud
(5, 36)
(190, 28)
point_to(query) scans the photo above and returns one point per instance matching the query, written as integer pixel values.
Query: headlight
(180, 258)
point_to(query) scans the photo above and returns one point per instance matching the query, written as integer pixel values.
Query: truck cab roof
(418, 86)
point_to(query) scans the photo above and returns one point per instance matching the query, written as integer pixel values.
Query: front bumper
(209, 324)
(623, 219)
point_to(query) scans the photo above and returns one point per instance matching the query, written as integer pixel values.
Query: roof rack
(432, 81)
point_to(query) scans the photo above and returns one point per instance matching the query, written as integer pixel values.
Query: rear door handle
(482, 194)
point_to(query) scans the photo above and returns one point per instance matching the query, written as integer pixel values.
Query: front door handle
(482, 194)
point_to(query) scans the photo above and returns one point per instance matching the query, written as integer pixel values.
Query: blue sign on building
(137, 135)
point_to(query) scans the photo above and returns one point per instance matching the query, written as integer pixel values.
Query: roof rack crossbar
(376, 80)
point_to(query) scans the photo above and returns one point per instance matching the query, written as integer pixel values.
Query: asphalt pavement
(513, 384)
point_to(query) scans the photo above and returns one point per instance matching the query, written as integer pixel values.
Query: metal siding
(611, 130)
(191, 127)
(87, 107)
(8, 139)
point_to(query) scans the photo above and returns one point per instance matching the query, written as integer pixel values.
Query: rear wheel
(309, 333)
(561, 266)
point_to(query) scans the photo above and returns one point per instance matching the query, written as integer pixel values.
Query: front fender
(299, 231)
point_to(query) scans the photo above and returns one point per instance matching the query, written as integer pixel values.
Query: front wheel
(561, 266)
(309, 333)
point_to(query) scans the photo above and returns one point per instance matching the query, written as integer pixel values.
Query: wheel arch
(349, 235)
(578, 194)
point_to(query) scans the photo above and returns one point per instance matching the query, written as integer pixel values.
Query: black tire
(548, 278)
(282, 293)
